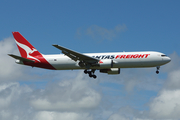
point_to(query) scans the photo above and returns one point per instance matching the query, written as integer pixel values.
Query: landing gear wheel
(85, 71)
(158, 67)
(91, 73)
(94, 76)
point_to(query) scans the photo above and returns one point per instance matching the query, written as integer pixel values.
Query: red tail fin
(25, 48)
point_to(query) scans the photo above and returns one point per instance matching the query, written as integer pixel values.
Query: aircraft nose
(167, 59)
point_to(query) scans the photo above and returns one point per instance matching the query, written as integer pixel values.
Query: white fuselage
(118, 59)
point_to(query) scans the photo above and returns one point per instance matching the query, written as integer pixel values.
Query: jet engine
(81, 64)
(111, 71)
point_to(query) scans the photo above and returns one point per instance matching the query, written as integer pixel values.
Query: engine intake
(82, 64)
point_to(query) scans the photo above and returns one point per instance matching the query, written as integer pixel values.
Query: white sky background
(32, 94)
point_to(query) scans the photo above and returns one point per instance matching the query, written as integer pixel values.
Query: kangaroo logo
(28, 50)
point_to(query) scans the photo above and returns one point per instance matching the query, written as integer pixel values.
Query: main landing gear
(157, 71)
(91, 73)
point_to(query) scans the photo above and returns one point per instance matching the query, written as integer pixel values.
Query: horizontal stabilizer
(20, 58)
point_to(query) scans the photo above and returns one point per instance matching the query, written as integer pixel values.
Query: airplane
(109, 63)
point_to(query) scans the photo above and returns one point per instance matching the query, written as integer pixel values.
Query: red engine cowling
(111, 71)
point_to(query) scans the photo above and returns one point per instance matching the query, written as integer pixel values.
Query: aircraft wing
(20, 58)
(76, 56)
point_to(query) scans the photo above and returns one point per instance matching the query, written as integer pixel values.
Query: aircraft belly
(128, 64)
(125, 63)
(64, 64)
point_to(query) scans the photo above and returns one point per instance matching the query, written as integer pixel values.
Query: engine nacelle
(106, 63)
(81, 64)
(111, 71)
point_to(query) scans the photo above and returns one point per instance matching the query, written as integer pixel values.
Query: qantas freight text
(121, 56)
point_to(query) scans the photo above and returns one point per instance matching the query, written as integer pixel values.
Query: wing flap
(20, 58)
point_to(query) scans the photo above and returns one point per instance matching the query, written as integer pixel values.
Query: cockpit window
(163, 55)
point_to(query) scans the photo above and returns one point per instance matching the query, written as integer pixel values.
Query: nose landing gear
(91, 73)
(157, 71)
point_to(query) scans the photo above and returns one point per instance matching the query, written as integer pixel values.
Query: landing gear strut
(91, 73)
(157, 71)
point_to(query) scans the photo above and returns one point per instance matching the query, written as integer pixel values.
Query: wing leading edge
(78, 56)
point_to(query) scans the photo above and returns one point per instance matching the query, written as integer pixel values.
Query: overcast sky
(96, 26)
